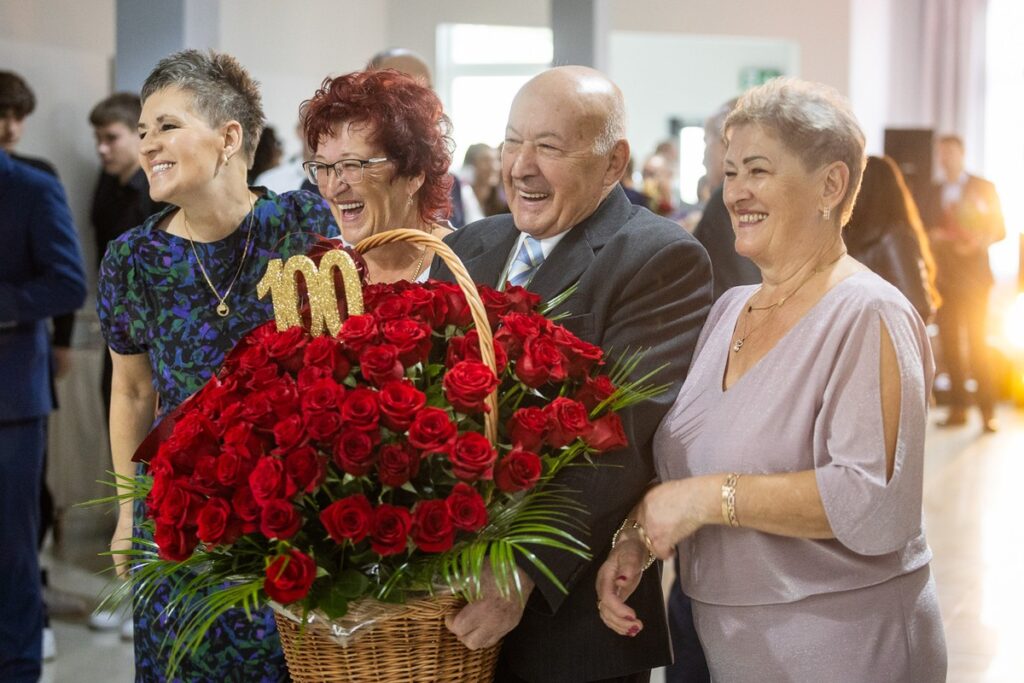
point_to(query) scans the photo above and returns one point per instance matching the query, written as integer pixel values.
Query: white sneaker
(109, 620)
(49, 645)
(128, 629)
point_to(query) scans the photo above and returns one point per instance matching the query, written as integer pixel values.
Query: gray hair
(221, 88)
(614, 128)
(813, 121)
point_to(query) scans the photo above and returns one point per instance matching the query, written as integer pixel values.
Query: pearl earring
(826, 212)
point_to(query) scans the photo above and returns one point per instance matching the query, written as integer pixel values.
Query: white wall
(870, 70)
(291, 47)
(678, 89)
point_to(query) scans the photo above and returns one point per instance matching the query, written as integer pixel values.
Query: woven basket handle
(476, 305)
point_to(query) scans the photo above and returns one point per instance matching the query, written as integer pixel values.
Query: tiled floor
(974, 495)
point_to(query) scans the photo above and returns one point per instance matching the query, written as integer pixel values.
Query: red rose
(242, 438)
(321, 353)
(349, 518)
(569, 420)
(518, 471)
(540, 362)
(358, 331)
(216, 526)
(289, 577)
(258, 379)
(353, 452)
(204, 477)
(306, 468)
(194, 435)
(516, 328)
(286, 347)
(466, 507)
(269, 481)
(432, 431)
(581, 356)
(473, 457)
(607, 433)
(521, 299)
(495, 302)
(528, 427)
(397, 464)
(399, 402)
(427, 306)
(257, 408)
(254, 358)
(594, 391)
(379, 363)
(467, 384)
(309, 376)
(458, 312)
(432, 529)
(467, 347)
(290, 433)
(162, 471)
(390, 530)
(233, 468)
(391, 307)
(411, 338)
(279, 520)
(247, 508)
(173, 543)
(361, 410)
(321, 396)
(179, 507)
(322, 426)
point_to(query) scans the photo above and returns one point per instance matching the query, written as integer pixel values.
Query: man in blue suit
(41, 276)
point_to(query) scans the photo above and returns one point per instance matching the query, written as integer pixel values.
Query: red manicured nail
(634, 630)
(621, 578)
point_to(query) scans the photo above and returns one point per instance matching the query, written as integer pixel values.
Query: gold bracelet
(643, 536)
(729, 500)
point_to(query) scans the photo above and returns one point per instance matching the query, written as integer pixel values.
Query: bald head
(564, 149)
(404, 61)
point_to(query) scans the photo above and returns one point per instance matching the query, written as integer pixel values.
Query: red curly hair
(406, 120)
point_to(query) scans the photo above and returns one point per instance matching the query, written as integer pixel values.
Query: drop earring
(826, 212)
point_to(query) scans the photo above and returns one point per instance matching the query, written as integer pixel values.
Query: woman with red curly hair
(381, 152)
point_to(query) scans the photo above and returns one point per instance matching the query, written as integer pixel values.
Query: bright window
(479, 70)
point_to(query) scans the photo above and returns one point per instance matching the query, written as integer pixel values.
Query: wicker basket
(410, 644)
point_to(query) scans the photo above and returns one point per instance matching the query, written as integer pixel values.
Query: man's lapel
(491, 254)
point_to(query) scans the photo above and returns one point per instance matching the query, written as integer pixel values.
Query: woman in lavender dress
(178, 292)
(792, 459)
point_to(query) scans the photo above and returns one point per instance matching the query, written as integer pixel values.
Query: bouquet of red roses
(318, 470)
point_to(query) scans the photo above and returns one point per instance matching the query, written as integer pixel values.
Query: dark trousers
(688, 662)
(962, 317)
(21, 601)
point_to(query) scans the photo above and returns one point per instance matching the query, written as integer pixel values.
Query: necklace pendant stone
(737, 346)
(223, 310)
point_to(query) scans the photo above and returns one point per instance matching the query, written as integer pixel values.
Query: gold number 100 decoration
(280, 280)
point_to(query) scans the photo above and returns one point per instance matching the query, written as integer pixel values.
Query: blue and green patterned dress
(152, 299)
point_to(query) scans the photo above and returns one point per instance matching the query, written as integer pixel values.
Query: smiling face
(118, 148)
(381, 201)
(179, 152)
(553, 178)
(773, 200)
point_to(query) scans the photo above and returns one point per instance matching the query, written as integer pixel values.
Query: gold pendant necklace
(222, 307)
(771, 308)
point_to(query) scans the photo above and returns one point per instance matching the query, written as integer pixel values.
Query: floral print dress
(153, 299)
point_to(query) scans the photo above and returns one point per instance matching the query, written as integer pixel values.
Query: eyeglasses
(347, 170)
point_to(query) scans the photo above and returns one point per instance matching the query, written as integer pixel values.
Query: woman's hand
(673, 511)
(121, 542)
(617, 579)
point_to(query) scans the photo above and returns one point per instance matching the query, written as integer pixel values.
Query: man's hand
(484, 622)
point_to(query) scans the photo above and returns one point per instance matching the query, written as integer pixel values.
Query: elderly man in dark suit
(40, 276)
(641, 282)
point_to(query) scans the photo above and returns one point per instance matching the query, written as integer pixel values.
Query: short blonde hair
(813, 121)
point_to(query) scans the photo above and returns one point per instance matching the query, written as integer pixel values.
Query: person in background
(289, 175)
(791, 463)
(482, 195)
(885, 233)
(635, 196)
(412, 64)
(640, 282)
(658, 175)
(715, 230)
(268, 154)
(17, 101)
(41, 276)
(971, 221)
(177, 293)
(381, 152)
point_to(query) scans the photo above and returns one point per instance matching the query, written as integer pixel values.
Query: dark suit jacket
(959, 270)
(642, 282)
(40, 276)
(715, 232)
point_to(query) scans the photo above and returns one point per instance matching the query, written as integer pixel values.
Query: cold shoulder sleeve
(868, 514)
(116, 298)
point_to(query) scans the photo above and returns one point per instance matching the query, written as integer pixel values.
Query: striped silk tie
(526, 263)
